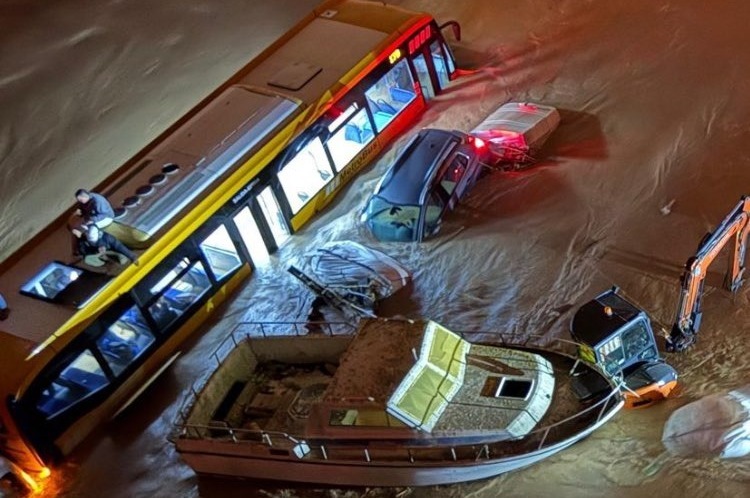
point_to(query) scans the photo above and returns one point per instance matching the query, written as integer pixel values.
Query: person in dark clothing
(81, 246)
(316, 318)
(104, 242)
(94, 208)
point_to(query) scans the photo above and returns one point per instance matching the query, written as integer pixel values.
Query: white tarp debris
(716, 425)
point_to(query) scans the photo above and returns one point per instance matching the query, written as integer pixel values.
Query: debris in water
(666, 209)
(656, 464)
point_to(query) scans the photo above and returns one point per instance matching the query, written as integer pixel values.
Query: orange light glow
(395, 56)
(30, 482)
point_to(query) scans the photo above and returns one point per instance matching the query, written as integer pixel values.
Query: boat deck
(283, 395)
(278, 398)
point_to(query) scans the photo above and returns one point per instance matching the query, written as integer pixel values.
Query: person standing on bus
(94, 208)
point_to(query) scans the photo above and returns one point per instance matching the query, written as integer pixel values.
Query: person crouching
(102, 242)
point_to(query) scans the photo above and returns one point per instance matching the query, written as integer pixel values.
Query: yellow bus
(203, 204)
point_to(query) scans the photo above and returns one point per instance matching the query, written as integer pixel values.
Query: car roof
(415, 165)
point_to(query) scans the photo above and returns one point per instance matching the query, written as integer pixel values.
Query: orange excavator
(616, 335)
(735, 226)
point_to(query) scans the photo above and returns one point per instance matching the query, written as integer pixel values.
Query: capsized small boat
(399, 403)
(350, 276)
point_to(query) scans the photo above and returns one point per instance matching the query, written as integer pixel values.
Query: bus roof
(303, 70)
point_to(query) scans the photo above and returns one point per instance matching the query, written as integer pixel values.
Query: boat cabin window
(125, 340)
(507, 387)
(82, 377)
(390, 94)
(221, 252)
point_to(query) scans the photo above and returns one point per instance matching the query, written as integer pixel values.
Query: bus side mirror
(456, 28)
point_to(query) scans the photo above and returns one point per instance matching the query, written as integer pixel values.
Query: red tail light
(477, 142)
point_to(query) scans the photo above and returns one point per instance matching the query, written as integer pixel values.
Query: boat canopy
(433, 381)
(514, 386)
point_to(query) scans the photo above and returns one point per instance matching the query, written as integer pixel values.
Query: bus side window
(305, 174)
(390, 94)
(220, 252)
(178, 295)
(125, 340)
(82, 377)
(346, 141)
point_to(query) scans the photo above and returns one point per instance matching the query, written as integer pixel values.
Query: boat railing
(282, 443)
(246, 330)
(613, 401)
(296, 329)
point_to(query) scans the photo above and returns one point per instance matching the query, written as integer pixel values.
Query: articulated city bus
(202, 205)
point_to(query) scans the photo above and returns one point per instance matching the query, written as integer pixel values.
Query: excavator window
(635, 340)
(612, 355)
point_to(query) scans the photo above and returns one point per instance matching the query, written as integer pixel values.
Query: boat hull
(234, 460)
(253, 418)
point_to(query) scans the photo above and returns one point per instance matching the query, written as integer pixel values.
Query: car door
(432, 213)
(454, 180)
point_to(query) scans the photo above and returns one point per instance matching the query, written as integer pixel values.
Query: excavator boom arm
(735, 226)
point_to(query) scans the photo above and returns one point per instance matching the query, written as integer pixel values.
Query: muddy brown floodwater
(653, 98)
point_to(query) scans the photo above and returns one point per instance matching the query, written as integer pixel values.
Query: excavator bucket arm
(735, 226)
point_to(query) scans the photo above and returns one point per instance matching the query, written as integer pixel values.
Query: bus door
(273, 216)
(251, 236)
(434, 65)
(442, 63)
(423, 74)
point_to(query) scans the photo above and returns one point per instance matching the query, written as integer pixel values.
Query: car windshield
(392, 222)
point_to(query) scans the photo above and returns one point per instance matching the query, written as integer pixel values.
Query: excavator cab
(617, 336)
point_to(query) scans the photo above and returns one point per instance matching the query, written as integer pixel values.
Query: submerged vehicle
(617, 336)
(515, 131)
(427, 179)
(399, 403)
(350, 276)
